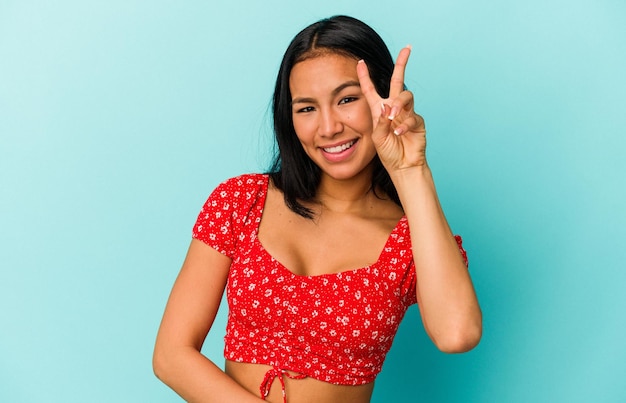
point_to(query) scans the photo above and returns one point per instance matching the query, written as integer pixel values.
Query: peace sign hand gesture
(399, 133)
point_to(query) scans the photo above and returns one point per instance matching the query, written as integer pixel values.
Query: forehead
(322, 73)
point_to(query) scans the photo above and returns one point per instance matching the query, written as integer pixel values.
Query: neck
(345, 195)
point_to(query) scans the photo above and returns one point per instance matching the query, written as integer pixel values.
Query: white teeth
(340, 148)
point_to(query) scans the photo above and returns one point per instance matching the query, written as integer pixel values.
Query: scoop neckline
(340, 274)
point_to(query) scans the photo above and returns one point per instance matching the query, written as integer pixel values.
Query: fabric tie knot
(272, 374)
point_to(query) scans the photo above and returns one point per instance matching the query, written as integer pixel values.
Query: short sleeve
(409, 289)
(459, 242)
(214, 225)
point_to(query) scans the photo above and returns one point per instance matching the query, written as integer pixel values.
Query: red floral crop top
(335, 328)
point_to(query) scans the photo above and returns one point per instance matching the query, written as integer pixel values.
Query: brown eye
(347, 100)
(305, 109)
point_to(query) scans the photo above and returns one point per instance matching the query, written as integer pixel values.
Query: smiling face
(331, 116)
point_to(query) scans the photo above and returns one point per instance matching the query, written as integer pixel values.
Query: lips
(340, 152)
(339, 148)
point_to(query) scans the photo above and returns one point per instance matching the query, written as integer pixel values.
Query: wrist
(412, 176)
(415, 187)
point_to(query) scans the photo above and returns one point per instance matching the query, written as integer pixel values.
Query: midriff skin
(307, 390)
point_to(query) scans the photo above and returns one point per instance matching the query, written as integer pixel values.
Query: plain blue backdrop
(118, 118)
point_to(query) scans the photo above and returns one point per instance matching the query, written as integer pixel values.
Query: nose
(330, 123)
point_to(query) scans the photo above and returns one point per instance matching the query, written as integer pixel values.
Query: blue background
(118, 118)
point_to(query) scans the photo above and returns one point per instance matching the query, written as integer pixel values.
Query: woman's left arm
(447, 300)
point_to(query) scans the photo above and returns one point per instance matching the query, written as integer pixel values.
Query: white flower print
(319, 317)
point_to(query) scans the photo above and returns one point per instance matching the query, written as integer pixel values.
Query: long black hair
(292, 171)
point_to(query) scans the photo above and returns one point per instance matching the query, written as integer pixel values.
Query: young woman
(322, 256)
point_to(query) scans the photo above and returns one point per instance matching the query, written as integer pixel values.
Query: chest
(331, 242)
(328, 246)
(359, 306)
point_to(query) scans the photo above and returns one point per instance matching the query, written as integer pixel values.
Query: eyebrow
(351, 83)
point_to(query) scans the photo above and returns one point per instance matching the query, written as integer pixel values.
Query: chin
(347, 174)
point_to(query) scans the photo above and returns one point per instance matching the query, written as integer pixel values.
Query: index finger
(367, 86)
(396, 85)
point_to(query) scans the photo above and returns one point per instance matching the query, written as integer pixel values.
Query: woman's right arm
(188, 317)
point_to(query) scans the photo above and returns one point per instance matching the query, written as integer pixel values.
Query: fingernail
(394, 112)
(361, 61)
(399, 130)
(383, 111)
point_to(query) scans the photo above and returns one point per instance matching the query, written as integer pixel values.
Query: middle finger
(397, 77)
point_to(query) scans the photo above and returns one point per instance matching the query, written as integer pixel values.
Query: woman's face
(331, 117)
